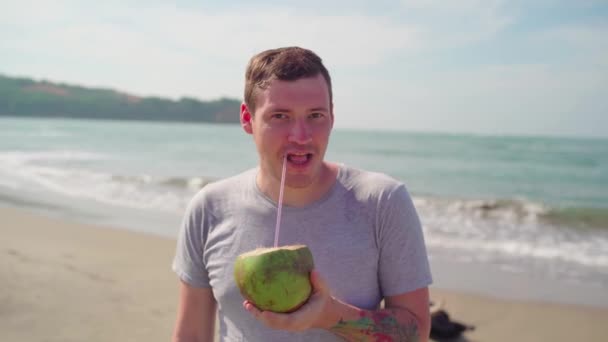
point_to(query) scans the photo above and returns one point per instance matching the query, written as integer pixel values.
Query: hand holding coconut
(310, 315)
(275, 279)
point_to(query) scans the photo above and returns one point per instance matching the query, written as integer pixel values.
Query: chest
(343, 244)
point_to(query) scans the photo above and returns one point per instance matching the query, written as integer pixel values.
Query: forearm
(187, 339)
(194, 330)
(200, 337)
(391, 324)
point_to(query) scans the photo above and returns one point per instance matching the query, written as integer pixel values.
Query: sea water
(527, 206)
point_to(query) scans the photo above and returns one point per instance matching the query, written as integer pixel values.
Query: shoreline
(449, 270)
(66, 280)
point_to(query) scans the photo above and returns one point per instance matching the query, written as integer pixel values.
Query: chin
(298, 181)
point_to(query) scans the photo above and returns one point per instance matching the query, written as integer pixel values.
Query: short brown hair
(285, 64)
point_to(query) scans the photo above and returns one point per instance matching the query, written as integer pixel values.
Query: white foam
(29, 170)
(507, 229)
(483, 229)
(582, 253)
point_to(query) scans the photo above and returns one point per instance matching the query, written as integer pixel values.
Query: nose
(300, 132)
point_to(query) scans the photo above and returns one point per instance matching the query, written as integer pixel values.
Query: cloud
(197, 50)
(448, 24)
(168, 37)
(585, 42)
(523, 99)
(397, 68)
(453, 6)
(352, 39)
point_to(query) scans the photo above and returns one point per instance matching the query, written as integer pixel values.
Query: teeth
(298, 158)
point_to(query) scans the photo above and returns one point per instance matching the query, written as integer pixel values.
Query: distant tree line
(23, 97)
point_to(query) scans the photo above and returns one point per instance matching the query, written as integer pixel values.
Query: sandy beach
(66, 281)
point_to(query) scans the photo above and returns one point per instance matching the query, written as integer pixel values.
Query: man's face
(292, 118)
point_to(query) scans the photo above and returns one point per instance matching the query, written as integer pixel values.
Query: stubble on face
(305, 101)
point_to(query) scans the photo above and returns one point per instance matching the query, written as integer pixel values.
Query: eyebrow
(315, 109)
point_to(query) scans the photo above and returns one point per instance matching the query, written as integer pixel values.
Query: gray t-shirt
(364, 234)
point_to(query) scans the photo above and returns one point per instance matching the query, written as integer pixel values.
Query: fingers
(273, 319)
(295, 321)
(303, 318)
(251, 308)
(318, 284)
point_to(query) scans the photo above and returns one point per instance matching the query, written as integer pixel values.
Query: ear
(331, 114)
(246, 118)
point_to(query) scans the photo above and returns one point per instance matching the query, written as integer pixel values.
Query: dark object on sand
(444, 328)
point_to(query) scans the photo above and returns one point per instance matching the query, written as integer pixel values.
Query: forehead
(310, 92)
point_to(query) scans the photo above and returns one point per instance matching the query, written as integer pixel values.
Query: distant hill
(23, 97)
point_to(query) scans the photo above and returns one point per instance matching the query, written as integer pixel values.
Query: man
(362, 227)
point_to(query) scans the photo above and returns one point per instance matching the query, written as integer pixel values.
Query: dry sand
(63, 281)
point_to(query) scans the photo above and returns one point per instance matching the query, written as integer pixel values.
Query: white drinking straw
(280, 204)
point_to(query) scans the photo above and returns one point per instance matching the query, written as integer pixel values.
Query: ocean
(530, 210)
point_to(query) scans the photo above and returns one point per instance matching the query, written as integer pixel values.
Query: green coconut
(275, 279)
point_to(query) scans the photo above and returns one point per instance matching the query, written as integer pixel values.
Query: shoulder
(368, 184)
(223, 192)
(378, 193)
(236, 182)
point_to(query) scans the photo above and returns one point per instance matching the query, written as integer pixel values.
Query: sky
(488, 67)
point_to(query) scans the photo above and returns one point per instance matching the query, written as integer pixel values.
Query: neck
(299, 197)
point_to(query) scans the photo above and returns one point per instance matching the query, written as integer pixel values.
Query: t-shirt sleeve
(403, 263)
(188, 262)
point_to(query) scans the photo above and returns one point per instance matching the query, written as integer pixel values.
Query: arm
(406, 317)
(195, 315)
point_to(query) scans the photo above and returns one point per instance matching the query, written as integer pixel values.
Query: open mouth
(299, 158)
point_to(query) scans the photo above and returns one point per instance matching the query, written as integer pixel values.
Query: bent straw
(277, 228)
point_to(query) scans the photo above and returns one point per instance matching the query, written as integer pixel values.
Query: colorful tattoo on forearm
(377, 326)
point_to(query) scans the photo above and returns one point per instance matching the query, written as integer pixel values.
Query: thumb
(318, 283)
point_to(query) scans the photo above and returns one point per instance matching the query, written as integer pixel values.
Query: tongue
(298, 159)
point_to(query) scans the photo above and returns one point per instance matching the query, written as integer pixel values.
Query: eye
(317, 115)
(278, 116)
